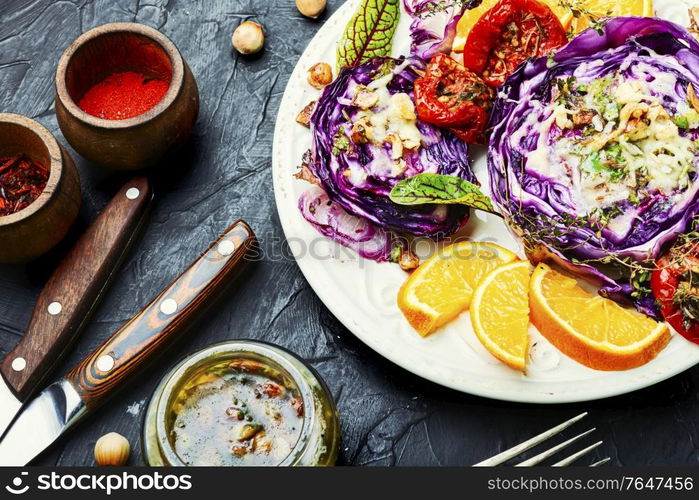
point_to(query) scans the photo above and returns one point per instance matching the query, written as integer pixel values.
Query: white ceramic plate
(362, 294)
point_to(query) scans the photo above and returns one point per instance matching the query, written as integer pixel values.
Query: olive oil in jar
(237, 413)
(238, 403)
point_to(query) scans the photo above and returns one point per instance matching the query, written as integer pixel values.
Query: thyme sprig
(578, 9)
(566, 234)
(683, 257)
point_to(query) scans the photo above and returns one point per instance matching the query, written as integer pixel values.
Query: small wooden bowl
(31, 232)
(133, 143)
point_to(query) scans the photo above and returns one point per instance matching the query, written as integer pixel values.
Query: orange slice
(594, 331)
(500, 313)
(603, 8)
(564, 12)
(441, 288)
(467, 21)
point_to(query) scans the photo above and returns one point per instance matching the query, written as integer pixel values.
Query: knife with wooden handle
(70, 296)
(142, 338)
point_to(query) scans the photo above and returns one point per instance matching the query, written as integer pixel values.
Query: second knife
(71, 295)
(142, 338)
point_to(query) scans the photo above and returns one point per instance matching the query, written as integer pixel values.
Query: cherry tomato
(509, 34)
(453, 97)
(669, 277)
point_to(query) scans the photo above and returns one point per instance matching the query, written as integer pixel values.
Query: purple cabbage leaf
(366, 138)
(434, 23)
(594, 153)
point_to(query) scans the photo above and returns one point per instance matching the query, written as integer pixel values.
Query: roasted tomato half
(509, 34)
(453, 97)
(675, 284)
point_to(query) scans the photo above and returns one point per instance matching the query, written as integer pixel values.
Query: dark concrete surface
(389, 417)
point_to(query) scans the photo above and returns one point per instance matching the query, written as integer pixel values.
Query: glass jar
(319, 440)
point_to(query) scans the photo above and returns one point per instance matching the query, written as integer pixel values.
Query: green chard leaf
(440, 189)
(369, 33)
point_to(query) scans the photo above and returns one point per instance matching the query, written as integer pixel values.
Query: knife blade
(109, 367)
(71, 294)
(9, 405)
(44, 419)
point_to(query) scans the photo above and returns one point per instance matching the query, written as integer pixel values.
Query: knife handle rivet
(168, 307)
(132, 193)
(226, 247)
(55, 308)
(105, 363)
(19, 364)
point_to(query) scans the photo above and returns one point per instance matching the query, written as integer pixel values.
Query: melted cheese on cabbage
(395, 115)
(633, 145)
(390, 122)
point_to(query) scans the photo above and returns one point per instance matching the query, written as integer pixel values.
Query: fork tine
(567, 461)
(601, 462)
(528, 444)
(548, 453)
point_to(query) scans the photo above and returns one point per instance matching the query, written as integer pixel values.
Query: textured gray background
(389, 417)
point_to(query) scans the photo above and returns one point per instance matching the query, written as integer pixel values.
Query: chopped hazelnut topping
(360, 131)
(408, 260)
(304, 116)
(396, 145)
(365, 99)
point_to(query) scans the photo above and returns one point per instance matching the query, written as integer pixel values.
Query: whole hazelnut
(248, 38)
(320, 75)
(112, 450)
(311, 8)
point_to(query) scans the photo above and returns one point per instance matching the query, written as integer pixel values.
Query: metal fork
(536, 440)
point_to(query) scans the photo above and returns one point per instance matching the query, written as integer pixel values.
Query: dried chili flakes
(21, 182)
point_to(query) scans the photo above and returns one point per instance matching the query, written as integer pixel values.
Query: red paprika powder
(123, 95)
(21, 182)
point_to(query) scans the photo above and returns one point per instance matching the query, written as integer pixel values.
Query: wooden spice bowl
(132, 143)
(33, 231)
